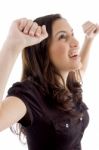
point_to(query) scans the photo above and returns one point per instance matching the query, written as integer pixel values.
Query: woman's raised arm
(22, 33)
(90, 29)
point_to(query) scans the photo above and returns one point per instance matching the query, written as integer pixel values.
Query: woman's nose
(74, 43)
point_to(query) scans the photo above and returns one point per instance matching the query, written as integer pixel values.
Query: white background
(76, 12)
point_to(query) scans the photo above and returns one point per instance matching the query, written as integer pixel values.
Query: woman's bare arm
(12, 109)
(21, 35)
(7, 60)
(90, 31)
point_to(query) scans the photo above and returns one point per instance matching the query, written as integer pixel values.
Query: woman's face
(63, 49)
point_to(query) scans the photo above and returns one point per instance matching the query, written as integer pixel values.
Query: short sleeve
(25, 92)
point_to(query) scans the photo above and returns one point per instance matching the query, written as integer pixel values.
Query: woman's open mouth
(75, 57)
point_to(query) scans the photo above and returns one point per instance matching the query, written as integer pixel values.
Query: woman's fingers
(38, 31)
(88, 26)
(90, 29)
(44, 32)
(22, 23)
(28, 26)
(39, 34)
(33, 29)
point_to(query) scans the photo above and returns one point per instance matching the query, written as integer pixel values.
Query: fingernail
(25, 31)
(31, 32)
(37, 34)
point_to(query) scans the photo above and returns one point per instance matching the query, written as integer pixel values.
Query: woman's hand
(24, 33)
(90, 29)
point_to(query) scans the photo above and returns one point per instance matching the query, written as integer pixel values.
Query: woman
(47, 103)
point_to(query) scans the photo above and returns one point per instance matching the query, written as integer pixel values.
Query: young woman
(47, 102)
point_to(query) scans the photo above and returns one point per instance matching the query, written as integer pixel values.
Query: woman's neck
(64, 81)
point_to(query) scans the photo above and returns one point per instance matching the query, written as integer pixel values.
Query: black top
(47, 128)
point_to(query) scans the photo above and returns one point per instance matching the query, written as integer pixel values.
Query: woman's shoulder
(24, 87)
(24, 84)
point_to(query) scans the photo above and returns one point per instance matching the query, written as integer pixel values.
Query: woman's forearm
(85, 53)
(8, 56)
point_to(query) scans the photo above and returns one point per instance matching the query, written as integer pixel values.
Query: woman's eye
(62, 37)
(72, 34)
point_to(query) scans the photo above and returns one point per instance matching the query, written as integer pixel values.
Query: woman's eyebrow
(60, 32)
(63, 31)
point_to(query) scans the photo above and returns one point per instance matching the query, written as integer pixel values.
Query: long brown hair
(37, 66)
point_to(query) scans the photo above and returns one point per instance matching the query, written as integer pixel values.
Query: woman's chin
(76, 67)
